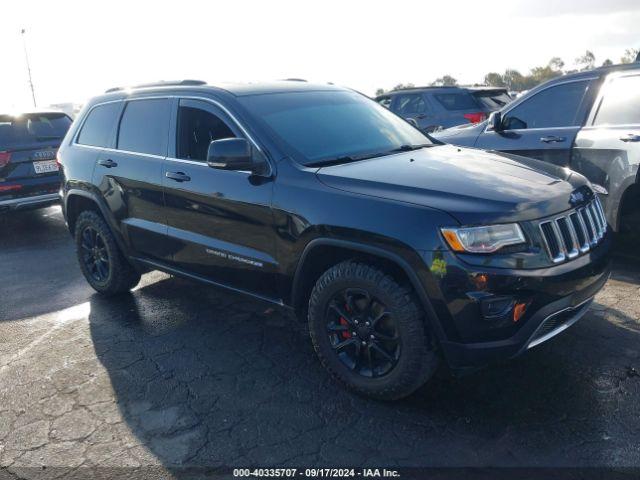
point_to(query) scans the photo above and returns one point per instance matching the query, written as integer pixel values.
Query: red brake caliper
(346, 333)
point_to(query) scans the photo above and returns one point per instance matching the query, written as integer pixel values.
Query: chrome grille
(567, 236)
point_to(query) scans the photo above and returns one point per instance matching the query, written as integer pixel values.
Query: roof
(237, 89)
(421, 89)
(600, 71)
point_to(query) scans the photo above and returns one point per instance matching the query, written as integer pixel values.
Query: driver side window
(196, 128)
(554, 107)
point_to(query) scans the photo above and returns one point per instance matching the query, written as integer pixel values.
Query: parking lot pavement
(181, 374)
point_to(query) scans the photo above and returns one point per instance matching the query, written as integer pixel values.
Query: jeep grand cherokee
(400, 252)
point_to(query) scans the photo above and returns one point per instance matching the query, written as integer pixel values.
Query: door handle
(178, 176)
(552, 139)
(630, 137)
(107, 163)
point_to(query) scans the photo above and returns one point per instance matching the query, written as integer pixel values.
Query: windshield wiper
(355, 158)
(409, 148)
(48, 137)
(339, 160)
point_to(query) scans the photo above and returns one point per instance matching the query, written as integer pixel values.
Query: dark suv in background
(434, 108)
(588, 121)
(28, 169)
(399, 252)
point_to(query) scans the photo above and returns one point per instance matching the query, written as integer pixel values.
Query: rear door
(543, 126)
(28, 146)
(129, 176)
(220, 221)
(607, 149)
(415, 108)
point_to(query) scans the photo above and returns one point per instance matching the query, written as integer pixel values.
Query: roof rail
(162, 83)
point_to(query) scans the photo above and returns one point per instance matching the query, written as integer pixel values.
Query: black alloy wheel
(95, 254)
(363, 333)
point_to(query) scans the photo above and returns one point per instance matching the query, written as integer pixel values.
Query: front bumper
(559, 296)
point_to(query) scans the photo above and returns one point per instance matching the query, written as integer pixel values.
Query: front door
(543, 126)
(220, 221)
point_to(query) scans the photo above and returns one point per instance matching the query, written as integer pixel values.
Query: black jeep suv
(398, 250)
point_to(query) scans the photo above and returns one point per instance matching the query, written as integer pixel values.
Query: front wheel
(369, 332)
(101, 261)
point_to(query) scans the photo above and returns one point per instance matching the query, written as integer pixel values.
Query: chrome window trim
(178, 97)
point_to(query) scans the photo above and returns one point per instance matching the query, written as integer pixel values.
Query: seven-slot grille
(567, 236)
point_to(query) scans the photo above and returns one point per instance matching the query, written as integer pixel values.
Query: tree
(514, 80)
(445, 81)
(494, 79)
(556, 63)
(607, 62)
(400, 86)
(380, 91)
(587, 61)
(630, 55)
(542, 74)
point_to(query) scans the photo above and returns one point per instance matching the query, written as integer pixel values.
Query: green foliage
(445, 81)
(630, 55)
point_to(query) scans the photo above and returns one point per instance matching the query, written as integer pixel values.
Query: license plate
(47, 166)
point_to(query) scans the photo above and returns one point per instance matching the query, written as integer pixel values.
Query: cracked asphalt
(178, 374)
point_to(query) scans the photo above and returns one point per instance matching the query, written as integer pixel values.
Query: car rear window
(32, 128)
(98, 126)
(493, 100)
(457, 101)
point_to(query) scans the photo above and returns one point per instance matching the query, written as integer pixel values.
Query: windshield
(32, 128)
(323, 126)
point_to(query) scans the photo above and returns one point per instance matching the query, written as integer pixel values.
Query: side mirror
(231, 154)
(495, 121)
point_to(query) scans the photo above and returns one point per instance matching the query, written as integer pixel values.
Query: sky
(79, 49)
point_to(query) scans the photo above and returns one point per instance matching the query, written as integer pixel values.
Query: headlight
(483, 239)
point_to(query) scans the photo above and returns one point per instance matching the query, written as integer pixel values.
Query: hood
(465, 134)
(472, 185)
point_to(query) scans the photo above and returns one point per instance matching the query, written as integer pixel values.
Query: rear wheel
(369, 332)
(101, 261)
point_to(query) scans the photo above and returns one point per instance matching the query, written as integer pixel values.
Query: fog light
(494, 308)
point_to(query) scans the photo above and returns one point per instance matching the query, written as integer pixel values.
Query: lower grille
(568, 235)
(557, 323)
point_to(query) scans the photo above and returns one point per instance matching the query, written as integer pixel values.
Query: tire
(115, 274)
(411, 346)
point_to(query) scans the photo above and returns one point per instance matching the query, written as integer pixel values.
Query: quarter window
(621, 103)
(197, 127)
(144, 127)
(98, 126)
(554, 107)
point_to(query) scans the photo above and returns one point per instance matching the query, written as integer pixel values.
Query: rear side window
(621, 103)
(457, 101)
(97, 128)
(554, 107)
(410, 104)
(144, 127)
(32, 128)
